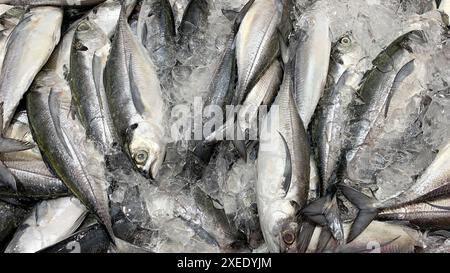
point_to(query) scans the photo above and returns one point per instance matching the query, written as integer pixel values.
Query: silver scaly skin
(90, 49)
(283, 169)
(135, 100)
(24, 58)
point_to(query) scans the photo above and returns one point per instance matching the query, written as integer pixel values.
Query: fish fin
(367, 210)
(8, 145)
(326, 212)
(7, 178)
(306, 232)
(122, 246)
(230, 14)
(287, 168)
(284, 48)
(324, 239)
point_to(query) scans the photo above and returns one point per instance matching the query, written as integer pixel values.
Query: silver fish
(49, 222)
(24, 58)
(311, 66)
(12, 217)
(8, 21)
(432, 184)
(90, 49)
(283, 172)
(135, 100)
(257, 44)
(62, 141)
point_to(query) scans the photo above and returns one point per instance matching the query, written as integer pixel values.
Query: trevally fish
(90, 49)
(62, 141)
(156, 28)
(283, 169)
(311, 65)
(49, 222)
(135, 100)
(432, 184)
(24, 58)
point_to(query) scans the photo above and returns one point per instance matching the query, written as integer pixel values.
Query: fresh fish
(432, 184)
(156, 28)
(63, 143)
(49, 222)
(433, 214)
(379, 237)
(12, 217)
(195, 19)
(51, 2)
(90, 49)
(135, 100)
(334, 116)
(257, 44)
(24, 58)
(92, 239)
(375, 92)
(4, 8)
(283, 169)
(311, 66)
(33, 181)
(263, 93)
(8, 21)
(105, 16)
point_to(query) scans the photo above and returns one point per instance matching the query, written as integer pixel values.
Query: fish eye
(141, 157)
(345, 41)
(288, 238)
(83, 26)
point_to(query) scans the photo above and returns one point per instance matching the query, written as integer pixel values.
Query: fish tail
(325, 212)
(367, 210)
(306, 232)
(324, 240)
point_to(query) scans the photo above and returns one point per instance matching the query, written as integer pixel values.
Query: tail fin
(306, 232)
(324, 240)
(325, 212)
(367, 211)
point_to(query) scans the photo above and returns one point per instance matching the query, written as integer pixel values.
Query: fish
(49, 222)
(311, 65)
(257, 44)
(195, 19)
(135, 100)
(105, 16)
(334, 116)
(376, 89)
(431, 185)
(379, 237)
(12, 216)
(428, 215)
(90, 49)
(60, 3)
(33, 181)
(263, 93)
(91, 239)
(24, 58)
(156, 29)
(283, 171)
(64, 145)
(8, 21)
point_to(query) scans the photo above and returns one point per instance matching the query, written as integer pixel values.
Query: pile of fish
(115, 126)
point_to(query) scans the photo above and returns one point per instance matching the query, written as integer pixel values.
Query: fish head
(145, 148)
(283, 230)
(347, 51)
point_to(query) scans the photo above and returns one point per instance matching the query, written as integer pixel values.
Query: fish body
(23, 58)
(156, 28)
(135, 100)
(12, 217)
(8, 21)
(90, 49)
(283, 169)
(257, 44)
(312, 59)
(48, 223)
(92, 239)
(62, 141)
